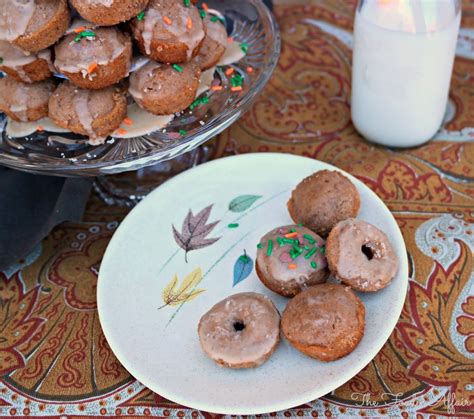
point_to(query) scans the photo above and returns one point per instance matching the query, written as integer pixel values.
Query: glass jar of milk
(401, 68)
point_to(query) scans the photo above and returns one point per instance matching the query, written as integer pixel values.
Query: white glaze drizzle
(81, 106)
(15, 15)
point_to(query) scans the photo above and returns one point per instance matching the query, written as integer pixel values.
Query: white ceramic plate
(158, 343)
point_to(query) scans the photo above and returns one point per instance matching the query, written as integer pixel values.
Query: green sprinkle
(84, 34)
(280, 241)
(182, 132)
(202, 13)
(294, 254)
(233, 225)
(270, 247)
(300, 225)
(309, 238)
(178, 68)
(259, 246)
(311, 252)
(307, 247)
(322, 250)
(140, 16)
(287, 241)
(214, 19)
(244, 47)
(236, 80)
(293, 230)
(314, 265)
(187, 3)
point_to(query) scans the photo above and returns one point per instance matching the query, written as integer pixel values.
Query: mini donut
(109, 12)
(95, 113)
(360, 255)
(214, 45)
(241, 331)
(162, 90)
(33, 25)
(169, 32)
(24, 66)
(290, 259)
(323, 199)
(325, 321)
(25, 102)
(96, 61)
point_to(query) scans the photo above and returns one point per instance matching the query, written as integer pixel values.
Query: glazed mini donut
(24, 66)
(33, 25)
(96, 61)
(360, 255)
(290, 259)
(25, 102)
(323, 199)
(95, 113)
(162, 90)
(241, 331)
(109, 12)
(325, 321)
(214, 45)
(169, 32)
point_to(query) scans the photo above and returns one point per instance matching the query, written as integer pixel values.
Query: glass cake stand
(248, 22)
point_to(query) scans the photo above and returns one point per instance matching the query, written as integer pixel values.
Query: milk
(402, 63)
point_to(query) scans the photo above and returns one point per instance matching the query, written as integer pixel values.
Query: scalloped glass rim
(172, 147)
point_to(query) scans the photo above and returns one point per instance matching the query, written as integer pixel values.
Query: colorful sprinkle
(236, 88)
(291, 235)
(189, 23)
(167, 20)
(140, 16)
(250, 71)
(244, 47)
(128, 121)
(79, 29)
(40, 128)
(92, 67)
(236, 80)
(269, 247)
(233, 225)
(311, 252)
(178, 68)
(309, 238)
(230, 39)
(291, 266)
(300, 225)
(259, 246)
(322, 250)
(121, 131)
(229, 71)
(84, 34)
(202, 13)
(187, 3)
(205, 7)
(182, 132)
(314, 265)
(216, 88)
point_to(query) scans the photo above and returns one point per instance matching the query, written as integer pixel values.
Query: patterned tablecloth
(54, 359)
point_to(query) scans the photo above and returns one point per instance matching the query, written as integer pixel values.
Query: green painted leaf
(243, 202)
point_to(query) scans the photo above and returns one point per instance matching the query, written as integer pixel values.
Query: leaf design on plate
(173, 295)
(194, 231)
(242, 268)
(243, 202)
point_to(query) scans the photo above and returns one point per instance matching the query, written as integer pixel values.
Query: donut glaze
(241, 331)
(325, 321)
(323, 199)
(286, 270)
(360, 255)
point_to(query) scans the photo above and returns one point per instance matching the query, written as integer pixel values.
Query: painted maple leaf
(194, 231)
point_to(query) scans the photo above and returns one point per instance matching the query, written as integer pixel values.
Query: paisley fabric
(54, 359)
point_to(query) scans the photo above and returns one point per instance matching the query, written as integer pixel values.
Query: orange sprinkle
(236, 88)
(291, 266)
(229, 71)
(290, 235)
(128, 121)
(167, 20)
(39, 128)
(205, 7)
(92, 68)
(216, 88)
(230, 39)
(121, 131)
(189, 23)
(249, 70)
(80, 29)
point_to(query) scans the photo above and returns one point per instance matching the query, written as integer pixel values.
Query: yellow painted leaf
(191, 280)
(170, 289)
(184, 298)
(173, 296)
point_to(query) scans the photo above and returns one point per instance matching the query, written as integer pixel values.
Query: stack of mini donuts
(95, 54)
(323, 320)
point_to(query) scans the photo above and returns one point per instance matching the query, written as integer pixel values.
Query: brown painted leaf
(194, 232)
